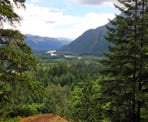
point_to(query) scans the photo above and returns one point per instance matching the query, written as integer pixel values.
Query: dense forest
(112, 88)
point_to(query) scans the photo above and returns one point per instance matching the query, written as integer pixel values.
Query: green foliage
(67, 73)
(30, 109)
(84, 102)
(16, 60)
(18, 91)
(125, 66)
(17, 100)
(62, 79)
(58, 95)
(16, 119)
(7, 13)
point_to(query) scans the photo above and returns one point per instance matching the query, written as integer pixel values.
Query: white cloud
(53, 23)
(35, 1)
(94, 2)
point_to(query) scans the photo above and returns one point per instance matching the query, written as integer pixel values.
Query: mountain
(45, 43)
(91, 42)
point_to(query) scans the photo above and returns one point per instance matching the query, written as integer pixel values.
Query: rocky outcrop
(43, 118)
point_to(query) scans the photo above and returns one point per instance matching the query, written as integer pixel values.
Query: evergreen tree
(16, 59)
(125, 74)
(7, 13)
(84, 104)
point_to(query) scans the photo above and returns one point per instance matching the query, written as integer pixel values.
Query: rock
(43, 118)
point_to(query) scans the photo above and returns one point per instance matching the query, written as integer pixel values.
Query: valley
(91, 42)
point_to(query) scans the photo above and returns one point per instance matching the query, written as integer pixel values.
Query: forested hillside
(38, 43)
(91, 42)
(113, 88)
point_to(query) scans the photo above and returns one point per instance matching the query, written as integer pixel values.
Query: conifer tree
(125, 83)
(84, 102)
(15, 59)
(7, 13)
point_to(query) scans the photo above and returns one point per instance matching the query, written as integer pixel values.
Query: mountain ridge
(91, 42)
(45, 43)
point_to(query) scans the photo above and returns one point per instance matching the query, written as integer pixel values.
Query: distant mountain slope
(91, 42)
(45, 43)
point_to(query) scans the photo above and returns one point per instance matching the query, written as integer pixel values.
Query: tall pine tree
(124, 86)
(15, 59)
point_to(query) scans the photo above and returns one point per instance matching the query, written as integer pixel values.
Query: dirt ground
(43, 118)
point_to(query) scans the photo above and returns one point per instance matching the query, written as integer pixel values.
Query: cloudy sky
(64, 18)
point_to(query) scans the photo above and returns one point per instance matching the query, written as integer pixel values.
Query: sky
(64, 18)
